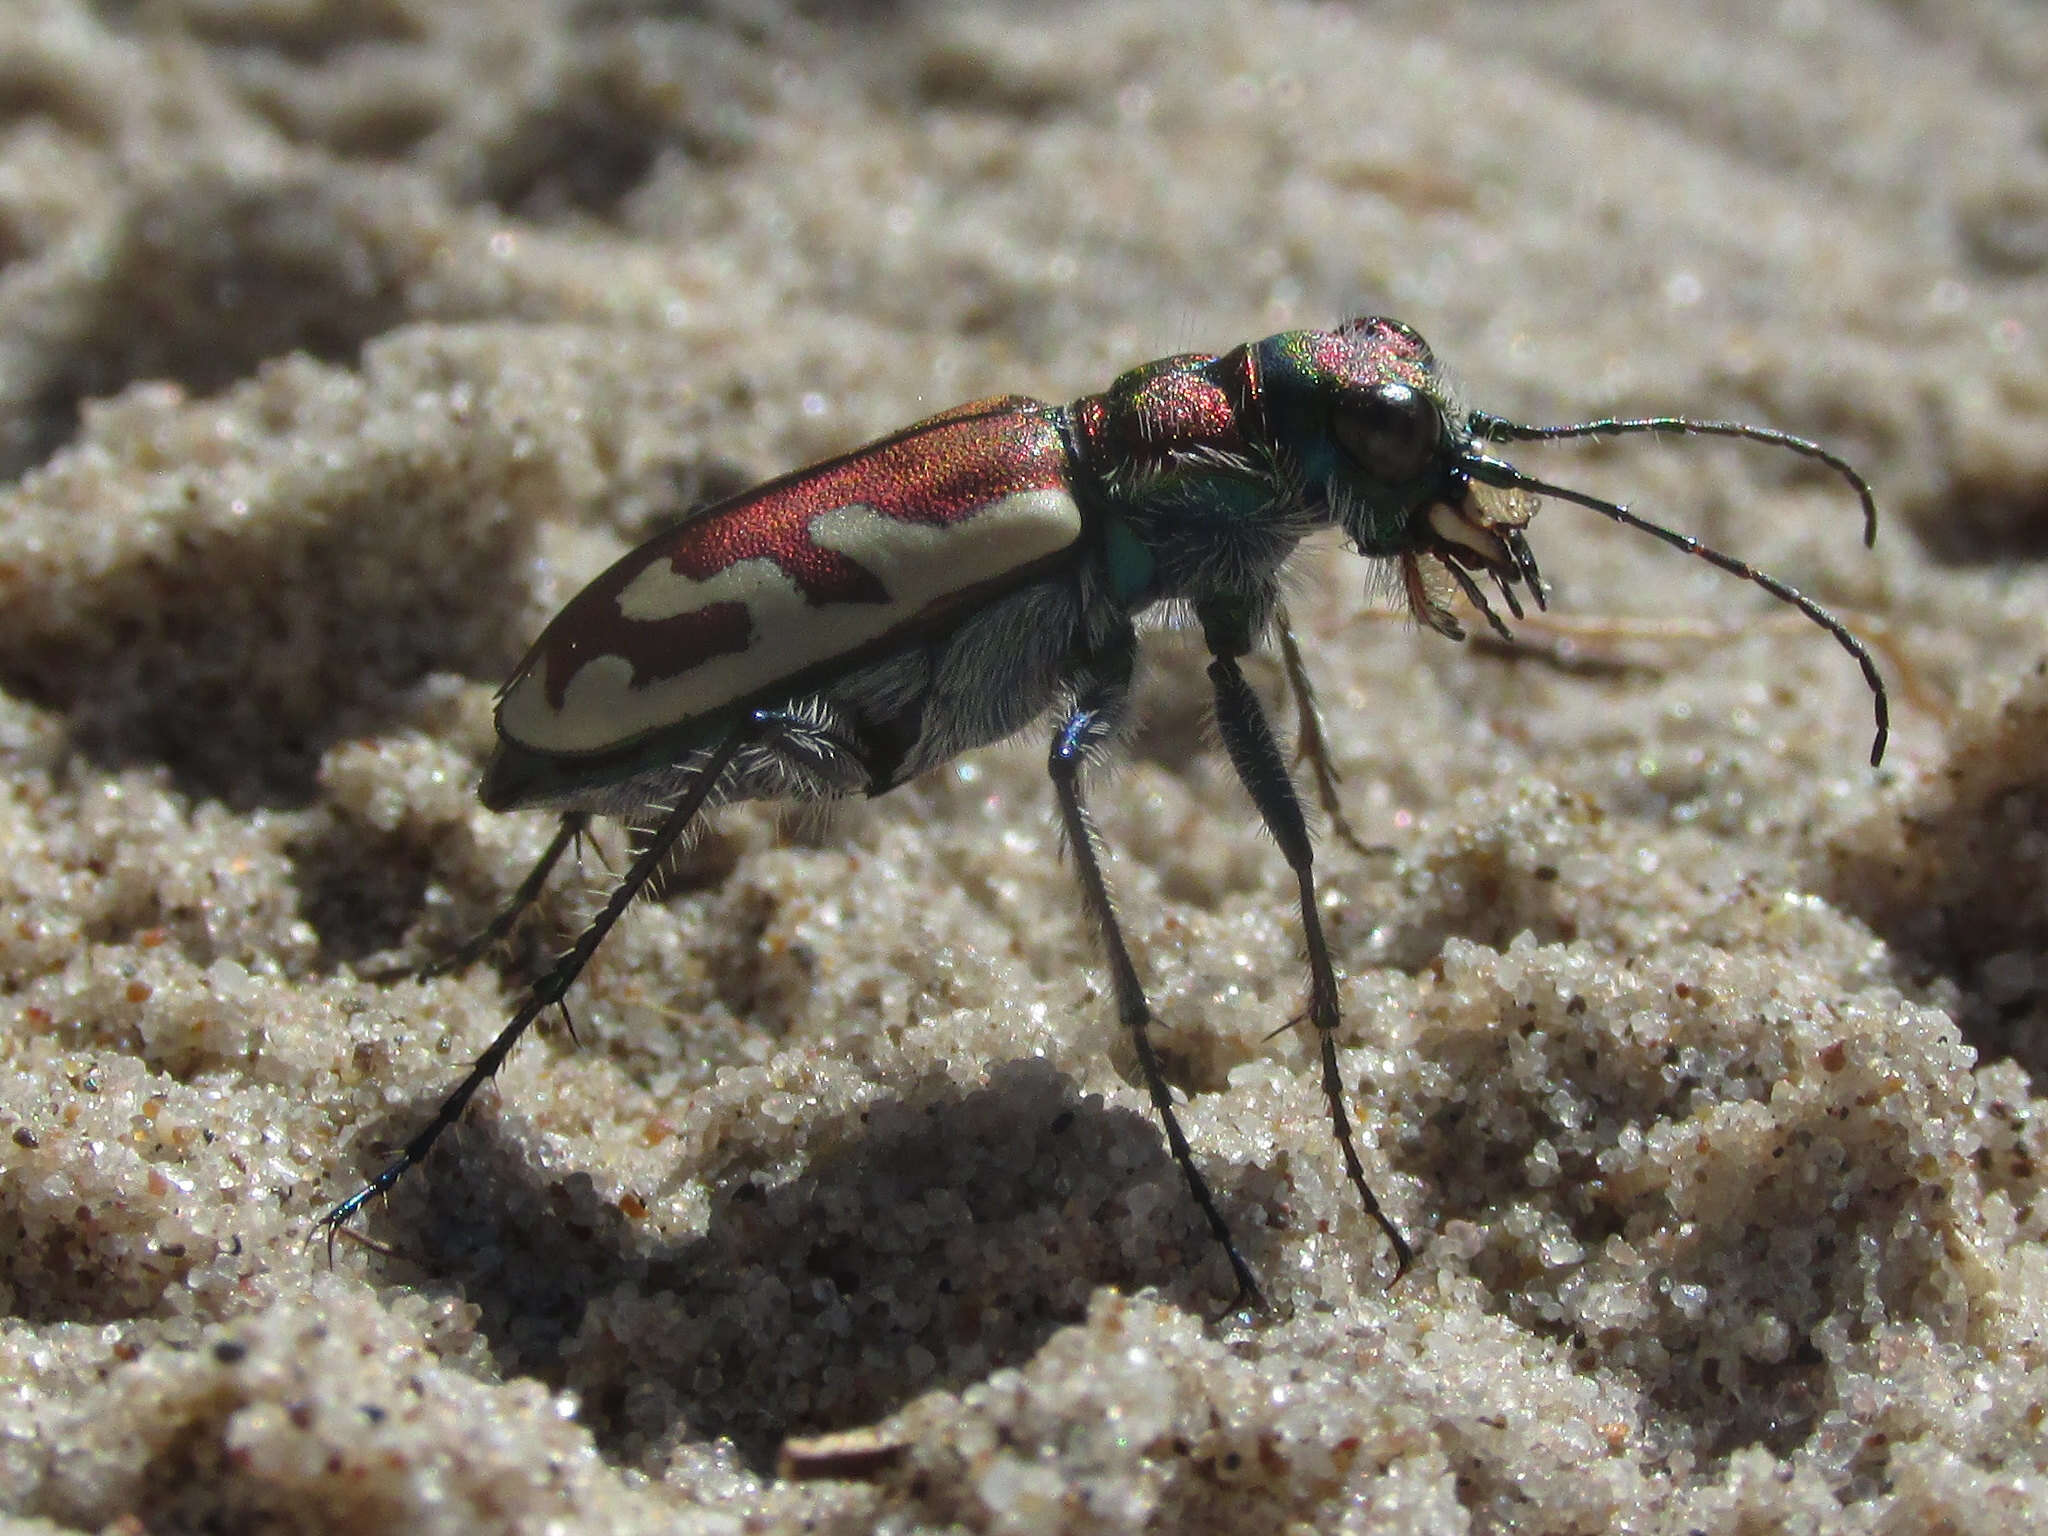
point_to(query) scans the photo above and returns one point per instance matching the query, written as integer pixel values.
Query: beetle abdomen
(822, 566)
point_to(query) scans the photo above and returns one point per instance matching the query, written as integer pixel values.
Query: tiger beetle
(840, 630)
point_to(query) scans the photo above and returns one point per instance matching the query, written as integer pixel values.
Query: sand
(341, 342)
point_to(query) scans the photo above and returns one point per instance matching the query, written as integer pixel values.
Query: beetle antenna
(1498, 429)
(1498, 472)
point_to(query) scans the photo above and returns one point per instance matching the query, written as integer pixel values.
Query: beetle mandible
(842, 629)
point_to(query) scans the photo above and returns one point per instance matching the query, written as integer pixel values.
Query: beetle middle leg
(1092, 721)
(573, 825)
(1248, 738)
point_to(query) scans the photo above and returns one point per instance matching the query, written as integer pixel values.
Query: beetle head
(1392, 459)
(1377, 440)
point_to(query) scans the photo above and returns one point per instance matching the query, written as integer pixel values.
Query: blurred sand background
(342, 340)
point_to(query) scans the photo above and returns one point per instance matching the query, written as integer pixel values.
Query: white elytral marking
(920, 565)
(663, 592)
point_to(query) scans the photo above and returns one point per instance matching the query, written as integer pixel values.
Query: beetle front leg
(1311, 745)
(1248, 738)
(1091, 722)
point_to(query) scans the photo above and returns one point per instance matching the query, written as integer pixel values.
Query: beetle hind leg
(552, 986)
(799, 755)
(806, 752)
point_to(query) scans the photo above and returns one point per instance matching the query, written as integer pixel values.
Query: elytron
(845, 628)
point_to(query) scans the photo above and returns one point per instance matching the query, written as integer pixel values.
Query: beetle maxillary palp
(1507, 590)
(1525, 565)
(1456, 538)
(1477, 597)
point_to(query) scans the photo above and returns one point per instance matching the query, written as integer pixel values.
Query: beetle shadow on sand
(1951, 877)
(937, 1237)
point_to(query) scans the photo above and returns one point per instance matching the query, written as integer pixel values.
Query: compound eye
(1393, 432)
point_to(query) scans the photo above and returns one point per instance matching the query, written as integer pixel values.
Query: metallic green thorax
(1198, 463)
